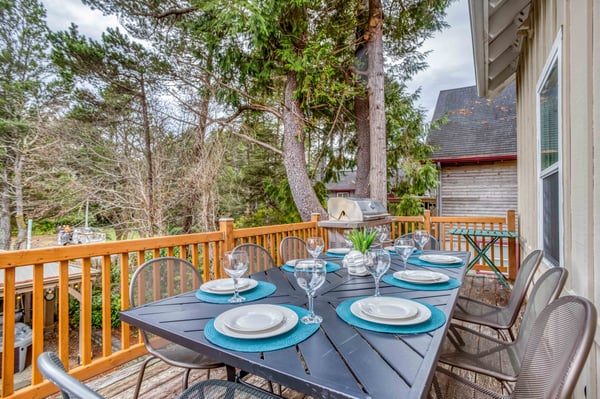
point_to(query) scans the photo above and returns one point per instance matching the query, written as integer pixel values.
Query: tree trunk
(363, 154)
(293, 154)
(378, 172)
(19, 216)
(149, 189)
(4, 213)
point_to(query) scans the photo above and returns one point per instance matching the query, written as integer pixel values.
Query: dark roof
(347, 182)
(477, 128)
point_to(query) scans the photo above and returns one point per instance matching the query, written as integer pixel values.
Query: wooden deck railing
(100, 262)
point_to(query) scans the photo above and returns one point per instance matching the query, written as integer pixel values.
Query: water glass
(377, 263)
(421, 238)
(383, 232)
(310, 275)
(314, 246)
(235, 264)
(404, 247)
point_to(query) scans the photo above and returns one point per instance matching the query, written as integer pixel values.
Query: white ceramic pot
(355, 263)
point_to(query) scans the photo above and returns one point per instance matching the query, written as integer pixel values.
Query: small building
(476, 152)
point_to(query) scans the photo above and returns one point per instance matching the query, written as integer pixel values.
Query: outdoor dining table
(339, 360)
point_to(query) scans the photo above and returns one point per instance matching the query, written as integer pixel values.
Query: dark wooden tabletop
(339, 360)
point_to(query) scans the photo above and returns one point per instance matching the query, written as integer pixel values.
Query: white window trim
(555, 56)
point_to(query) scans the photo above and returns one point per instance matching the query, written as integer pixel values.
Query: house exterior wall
(578, 22)
(482, 189)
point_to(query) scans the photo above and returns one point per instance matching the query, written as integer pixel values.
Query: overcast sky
(450, 61)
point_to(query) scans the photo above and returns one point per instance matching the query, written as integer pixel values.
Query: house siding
(483, 189)
(580, 140)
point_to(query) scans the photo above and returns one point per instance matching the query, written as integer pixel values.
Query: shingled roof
(478, 129)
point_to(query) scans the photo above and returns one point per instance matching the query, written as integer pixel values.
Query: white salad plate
(421, 276)
(383, 310)
(339, 251)
(292, 262)
(256, 321)
(443, 259)
(225, 285)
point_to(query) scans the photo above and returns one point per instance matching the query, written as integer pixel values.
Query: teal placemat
(438, 318)
(329, 267)
(334, 255)
(262, 290)
(418, 262)
(448, 285)
(393, 251)
(290, 338)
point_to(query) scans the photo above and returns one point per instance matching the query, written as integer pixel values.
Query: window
(548, 101)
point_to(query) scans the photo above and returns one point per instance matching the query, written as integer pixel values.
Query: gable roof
(478, 129)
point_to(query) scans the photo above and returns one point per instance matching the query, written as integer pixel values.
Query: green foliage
(362, 239)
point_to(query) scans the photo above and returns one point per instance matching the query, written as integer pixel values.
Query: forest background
(205, 109)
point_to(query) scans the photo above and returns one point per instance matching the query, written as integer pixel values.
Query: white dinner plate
(444, 259)
(225, 285)
(387, 308)
(423, 313)
(421, 276)
(236, 317)
(292, 262)
(254, 319)
(339, 251)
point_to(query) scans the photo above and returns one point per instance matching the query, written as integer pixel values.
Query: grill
(355, 209)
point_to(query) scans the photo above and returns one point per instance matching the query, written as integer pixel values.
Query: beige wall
(580, 136)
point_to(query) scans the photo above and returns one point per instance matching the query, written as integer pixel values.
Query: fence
(103, 271)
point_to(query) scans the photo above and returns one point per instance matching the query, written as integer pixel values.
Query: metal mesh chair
(500, 318)
(211, 389)
(258, 257)
(70, 387)
(494, 357)
(433, 244)
(162, 278)
(555, 354)
(292, 248)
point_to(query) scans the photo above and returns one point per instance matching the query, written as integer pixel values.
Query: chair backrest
(162, 278)
(433, 244)
(524, 278)
(293, 248)
(545, 290)
(258, 257)
(560, 341)
(54, 371)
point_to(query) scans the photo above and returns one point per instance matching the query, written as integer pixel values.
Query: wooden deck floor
(163, 382)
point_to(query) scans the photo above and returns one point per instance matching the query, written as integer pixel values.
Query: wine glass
(383, 232)
(314, 246)
(377, 263)
(404, 247)
(421, 238)
(310, 275)
(235, 264)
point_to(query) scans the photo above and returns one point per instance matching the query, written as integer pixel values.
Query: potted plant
(361, 239)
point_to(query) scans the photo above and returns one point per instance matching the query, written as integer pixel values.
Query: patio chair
(210, 389)
(292, 248)
(554, 356)
(500, 318)
(433, 244)
(475, 351)
(259, 258)
(162, 278)
(54, 371)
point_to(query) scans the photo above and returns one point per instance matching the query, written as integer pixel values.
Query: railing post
(226, 228)
(511, 224)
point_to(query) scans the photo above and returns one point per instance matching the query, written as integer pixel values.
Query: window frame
(554, 58)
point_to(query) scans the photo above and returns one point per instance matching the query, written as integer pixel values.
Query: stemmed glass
(404, 247)
(235, 264)
(421, 238)
(377, 262)
(310, 275)
(383, 232)
(314, 246)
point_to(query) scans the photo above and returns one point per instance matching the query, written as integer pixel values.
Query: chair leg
(138, 385)
(186, 377)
